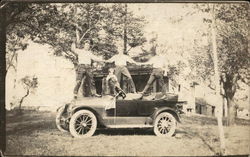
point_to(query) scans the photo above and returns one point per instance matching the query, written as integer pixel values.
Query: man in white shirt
(120, 61)
(84, 68)
(159, 71)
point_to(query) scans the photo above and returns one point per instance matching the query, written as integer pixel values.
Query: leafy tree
(125, 26)
(232, 45)
(234, 55)
(231, 27)
(61, 24)
(29, 84)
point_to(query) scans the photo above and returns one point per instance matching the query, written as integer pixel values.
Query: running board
(128, 121)
(129, 126)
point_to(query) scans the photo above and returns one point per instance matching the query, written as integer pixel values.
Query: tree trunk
(229, 86)
(219, 106)
(231, 112)
(125, 31)
(2, 77)
(21, 101)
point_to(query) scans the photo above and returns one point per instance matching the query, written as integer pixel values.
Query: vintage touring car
(83, 116)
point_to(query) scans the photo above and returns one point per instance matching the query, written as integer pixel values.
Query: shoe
(141, 95)
(75, 96)
(96, 95)
(163, 97)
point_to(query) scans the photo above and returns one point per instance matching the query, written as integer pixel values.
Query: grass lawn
(35, 133)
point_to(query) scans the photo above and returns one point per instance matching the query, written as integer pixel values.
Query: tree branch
(11, 61)
(11, 65)
(21, 101)
(84, 34)
(89, 29)
(77, 36)
(3, 4)
(129, 49)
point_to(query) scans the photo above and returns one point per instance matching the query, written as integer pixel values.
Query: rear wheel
(164, 125)
(61, 123)
(83, 124)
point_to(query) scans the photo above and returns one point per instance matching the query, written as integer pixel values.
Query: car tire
(165, 125)
(60, 121)
(83, 124)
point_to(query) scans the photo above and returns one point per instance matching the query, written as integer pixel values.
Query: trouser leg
(85, 87)
(91, 82)
(159, 74)
(162, 84)
(79, 77)
(132, 85)
(118, 74)
(131, 82)
(150, 81)
(77, 86)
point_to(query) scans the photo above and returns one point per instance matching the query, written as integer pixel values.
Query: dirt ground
(35, 133)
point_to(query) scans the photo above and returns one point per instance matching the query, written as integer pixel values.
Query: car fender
(166, 109)
(65, 107)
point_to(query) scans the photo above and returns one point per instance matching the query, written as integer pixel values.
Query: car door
(146, 107)
(126, 108)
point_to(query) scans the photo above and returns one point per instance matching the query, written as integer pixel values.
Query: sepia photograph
(124, 79)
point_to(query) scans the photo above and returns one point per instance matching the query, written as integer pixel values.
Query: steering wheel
(122, 94)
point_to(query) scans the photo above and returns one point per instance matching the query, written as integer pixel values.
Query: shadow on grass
(117, 132)
(30, 127)
(209, 120)
(138, 132)
(199, 120)
(26, 122)
(208, 139)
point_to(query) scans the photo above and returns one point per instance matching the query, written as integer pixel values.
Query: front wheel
(164, 125)
(83, 124)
